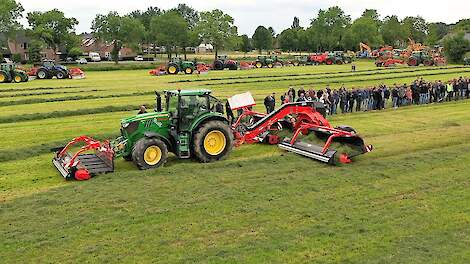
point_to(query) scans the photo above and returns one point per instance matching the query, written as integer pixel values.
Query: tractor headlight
(125, 125)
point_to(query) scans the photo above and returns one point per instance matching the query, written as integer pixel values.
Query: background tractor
(49, 69)
(419, 57)
(9, 73)
(223, 62)
(265, 61)
(466, 61)
(338, 57)
(177, 65)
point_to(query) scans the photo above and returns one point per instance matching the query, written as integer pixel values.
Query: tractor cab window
(191, 107)
(172, 104)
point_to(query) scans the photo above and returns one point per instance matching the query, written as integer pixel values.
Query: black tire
(232, 66)
(140, 149)
(218, 65)
(199, 137)
(42, 74)
(61, 75)
(128, 157)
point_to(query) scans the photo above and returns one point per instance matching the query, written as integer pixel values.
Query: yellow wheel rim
(258, 65)
(215, 142)
(172, 69)
(152, 155)
(270, 65)
(17, 79)
(2, 77)
(188, 70)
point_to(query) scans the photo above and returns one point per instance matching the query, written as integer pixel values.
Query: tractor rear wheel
(149, 153)
(213, 141)
(329, 61)
(3, 77)
(258, 64)
(218, 65)
(42, 74)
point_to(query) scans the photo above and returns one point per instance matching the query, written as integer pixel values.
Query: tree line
(182, 27)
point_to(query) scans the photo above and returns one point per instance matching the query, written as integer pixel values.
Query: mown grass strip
(46, 93)
(28, 152)
(339, 81)
(35, 89)
(377, 70)
(70, 98)
(59, 114)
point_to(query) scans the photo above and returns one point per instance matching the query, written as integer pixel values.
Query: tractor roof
(189, 92)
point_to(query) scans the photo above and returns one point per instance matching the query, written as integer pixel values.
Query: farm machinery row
(10, 72)
(192, 125)
(222, 62)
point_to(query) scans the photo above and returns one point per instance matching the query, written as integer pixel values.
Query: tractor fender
(151, 134)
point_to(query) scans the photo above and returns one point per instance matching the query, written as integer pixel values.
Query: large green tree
(191, 16)
(288, 40)
(327, 30)
(53, 28)
(393, 32)
(416, 28)
(120, 30)
(145, 17)
(437, 31)
(10, 12)
(246, 45)
(216, 27)
(456, 46)
(364, 29)
(170, 30)
(262, 39)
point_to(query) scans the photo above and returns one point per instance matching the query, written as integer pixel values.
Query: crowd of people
(379, 97)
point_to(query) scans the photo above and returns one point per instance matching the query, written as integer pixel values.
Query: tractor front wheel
(258, 64)
(213, 141)
(60, 75)
(172, 69)
(149, 153)
(188, 70)
(17, 79)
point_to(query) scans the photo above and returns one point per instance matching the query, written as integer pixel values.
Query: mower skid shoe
(308, 150)
(59, 163)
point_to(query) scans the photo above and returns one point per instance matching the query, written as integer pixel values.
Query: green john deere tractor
(192, 125)
(9, 73)
(339, 57)
(420, 57)
(177, 65)
(265, 61)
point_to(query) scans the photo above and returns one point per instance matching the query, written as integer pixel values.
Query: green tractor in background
(265, 61)
(338, 57)
(177, 65)
(192, 125)
(419, 57)
(9, 73)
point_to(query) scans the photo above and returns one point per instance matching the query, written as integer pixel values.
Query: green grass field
(405, 202)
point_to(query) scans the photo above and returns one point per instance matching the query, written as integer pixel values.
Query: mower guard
(308, 150)
(82, 165)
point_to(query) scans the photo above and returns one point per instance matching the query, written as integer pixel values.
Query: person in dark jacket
(352, 98)
(270, 103)
(229, 112)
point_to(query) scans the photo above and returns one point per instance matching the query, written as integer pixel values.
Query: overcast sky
(248, 14)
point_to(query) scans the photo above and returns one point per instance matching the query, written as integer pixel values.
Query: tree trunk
(184, 52)
(216, 53)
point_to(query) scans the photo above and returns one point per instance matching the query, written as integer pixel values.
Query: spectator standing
(270, 102)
